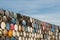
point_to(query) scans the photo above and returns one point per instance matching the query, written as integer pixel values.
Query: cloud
(53, 18)
(45, 10)
(27, 5)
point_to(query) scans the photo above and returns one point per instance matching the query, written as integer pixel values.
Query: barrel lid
(23, 22)
(17, 22)
(28, 29)
(24, 33)
(4, 18)
(0, 29)
(15, 15)
(7, 13)
(10, 33)
(5, 32)
(20, 38)
(31, 38)
(2, 37)
(17, 34)
(2, 12)
(12, 26)
(30, 19)
(26, 38)
(20, 27)
(0, 33)
(11, 14)
(3, 25)
(14, 33)
(16, 27)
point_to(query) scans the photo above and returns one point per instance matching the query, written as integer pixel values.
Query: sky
(44, 10)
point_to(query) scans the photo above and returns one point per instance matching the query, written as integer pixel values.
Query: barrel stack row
(15, 26)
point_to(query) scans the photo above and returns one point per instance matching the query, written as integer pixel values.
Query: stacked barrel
(15, 26)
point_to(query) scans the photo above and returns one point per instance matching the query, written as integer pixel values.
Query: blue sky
(45, 10)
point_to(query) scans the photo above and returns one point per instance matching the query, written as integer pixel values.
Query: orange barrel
(10, 33)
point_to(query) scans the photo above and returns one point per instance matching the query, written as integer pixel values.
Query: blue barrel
(13, 21)
(23, 22)
(35, 25)
(52, 29)
(12, 38)
(34, 30)
(7, 26)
